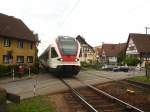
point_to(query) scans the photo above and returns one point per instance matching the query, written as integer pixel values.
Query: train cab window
(53, 53)
(68, 46)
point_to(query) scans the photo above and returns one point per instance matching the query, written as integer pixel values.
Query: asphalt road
(45, 83)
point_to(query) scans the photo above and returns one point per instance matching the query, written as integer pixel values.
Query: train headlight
(60, 59)
(76, 59)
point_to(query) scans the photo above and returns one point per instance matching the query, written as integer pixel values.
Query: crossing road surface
(45, 83)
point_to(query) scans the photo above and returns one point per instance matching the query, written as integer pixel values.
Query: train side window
(53, 53)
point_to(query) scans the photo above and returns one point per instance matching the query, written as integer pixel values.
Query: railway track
(139, 84)
(136, 84)
(95, 100)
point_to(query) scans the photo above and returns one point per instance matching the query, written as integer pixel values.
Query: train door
(54, 57)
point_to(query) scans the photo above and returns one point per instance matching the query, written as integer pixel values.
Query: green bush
(98, 66)
(35, 68)
(84, 64)
(132, 61)
(4, 70)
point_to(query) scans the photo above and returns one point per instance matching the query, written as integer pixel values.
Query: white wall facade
(131, 48)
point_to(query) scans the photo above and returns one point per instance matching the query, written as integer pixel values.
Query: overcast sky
(108, 21)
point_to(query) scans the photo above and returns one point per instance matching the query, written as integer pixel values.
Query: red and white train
(62, 56)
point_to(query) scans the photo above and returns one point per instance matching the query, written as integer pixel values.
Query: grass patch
(141, 78)
(36, 104)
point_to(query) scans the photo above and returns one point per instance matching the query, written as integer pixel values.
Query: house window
(20, 44)
(131, 48)
(5, 59)
(30, 59)
(30, 45)
(7, 42)
(20, 59)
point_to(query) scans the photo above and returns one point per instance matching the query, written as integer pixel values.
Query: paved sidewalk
(25, 86)
(5, 80)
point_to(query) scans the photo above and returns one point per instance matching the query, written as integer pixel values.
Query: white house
(87, 53)
(138, 45)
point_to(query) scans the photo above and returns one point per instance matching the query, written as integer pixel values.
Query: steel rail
(114, 98)
(141, 84)
(125, 81)
(83, 101)
(110, 96)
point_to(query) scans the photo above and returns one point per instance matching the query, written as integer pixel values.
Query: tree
(35, 67)
(120, 58)
(132, 61)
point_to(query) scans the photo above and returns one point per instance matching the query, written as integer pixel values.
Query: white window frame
(20, 59)
(6, 59)
(20, 43)
(7, 42)
(30, 59)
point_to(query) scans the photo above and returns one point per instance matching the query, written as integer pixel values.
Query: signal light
(76, 59)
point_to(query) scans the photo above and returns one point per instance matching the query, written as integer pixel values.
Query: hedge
(6, 70)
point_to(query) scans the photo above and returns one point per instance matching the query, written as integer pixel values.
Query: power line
(73, 8)
(67, 15)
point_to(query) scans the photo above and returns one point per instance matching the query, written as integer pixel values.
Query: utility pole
(146, 63)
(147, 29)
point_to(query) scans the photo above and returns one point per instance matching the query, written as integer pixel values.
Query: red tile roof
(98, 50)
(13, 27)
(113, 49)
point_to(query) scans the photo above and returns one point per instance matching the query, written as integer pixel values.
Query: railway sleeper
(77, 106)
(115, 110)
(68, 97)
(95, 98)
(112, 105)
(95, 102)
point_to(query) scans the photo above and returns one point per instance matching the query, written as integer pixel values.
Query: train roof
(59, 38)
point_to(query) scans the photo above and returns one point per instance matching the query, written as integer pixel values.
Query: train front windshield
(68, 46)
